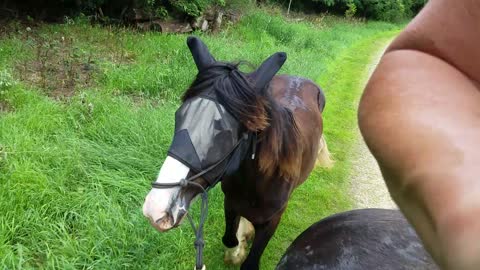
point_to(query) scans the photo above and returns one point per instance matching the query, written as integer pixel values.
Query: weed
(351, 10)
(6, 79)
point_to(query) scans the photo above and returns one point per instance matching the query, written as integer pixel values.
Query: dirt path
(367, 186)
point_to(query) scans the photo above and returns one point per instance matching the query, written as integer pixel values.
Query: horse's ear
(264, 74)
(200, 53)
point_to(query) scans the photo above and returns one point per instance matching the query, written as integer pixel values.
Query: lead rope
(199, 241)
(198, 231)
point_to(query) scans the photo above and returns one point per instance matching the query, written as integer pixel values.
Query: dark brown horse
(373, 239)
(257, 133)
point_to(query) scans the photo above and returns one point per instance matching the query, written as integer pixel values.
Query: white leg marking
(238, 254)
(245, 230)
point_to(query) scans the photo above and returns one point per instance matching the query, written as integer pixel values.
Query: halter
(198, 231)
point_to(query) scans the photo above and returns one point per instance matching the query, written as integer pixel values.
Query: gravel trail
(367, 186)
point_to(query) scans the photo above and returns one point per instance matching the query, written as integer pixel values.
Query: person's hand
(420, 117)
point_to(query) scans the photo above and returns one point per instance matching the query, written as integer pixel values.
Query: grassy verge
(87, 116)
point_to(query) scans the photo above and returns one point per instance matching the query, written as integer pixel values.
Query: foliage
(243, 5)
(412, 7)
(387, 10)
(194, 8)
(352, 9)
(6, 79)
(57, 9)
(77, 170)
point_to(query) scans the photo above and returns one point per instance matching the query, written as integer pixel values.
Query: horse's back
(358, 239)
(297, 93)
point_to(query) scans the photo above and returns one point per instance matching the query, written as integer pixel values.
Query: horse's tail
(324, 159)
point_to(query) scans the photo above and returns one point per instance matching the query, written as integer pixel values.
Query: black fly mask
(209, 139)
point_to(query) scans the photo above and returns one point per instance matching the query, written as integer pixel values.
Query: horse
(356, 240)
(258, 133)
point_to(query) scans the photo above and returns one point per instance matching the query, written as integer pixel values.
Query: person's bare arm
(420, 116)
(449, 30)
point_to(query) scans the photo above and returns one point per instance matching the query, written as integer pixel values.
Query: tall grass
(74, 172)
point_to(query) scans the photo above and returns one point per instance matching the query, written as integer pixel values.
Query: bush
(352, 9)
(240, 5)
(414, 6)
(55, 10)
(385, 10)
(194, 8)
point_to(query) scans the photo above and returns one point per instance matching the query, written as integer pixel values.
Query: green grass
(74, 172)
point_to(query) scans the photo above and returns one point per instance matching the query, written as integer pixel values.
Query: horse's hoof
(245, 230)
(236, 255)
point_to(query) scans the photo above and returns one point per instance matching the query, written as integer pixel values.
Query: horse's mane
(279, 150)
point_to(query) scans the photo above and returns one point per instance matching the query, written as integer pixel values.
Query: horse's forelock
(235, 92)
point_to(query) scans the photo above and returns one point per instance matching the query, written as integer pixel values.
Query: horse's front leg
(263, 234)
(231, 224)
(237, 231)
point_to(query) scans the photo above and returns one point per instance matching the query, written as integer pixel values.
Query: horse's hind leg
(237, 231)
